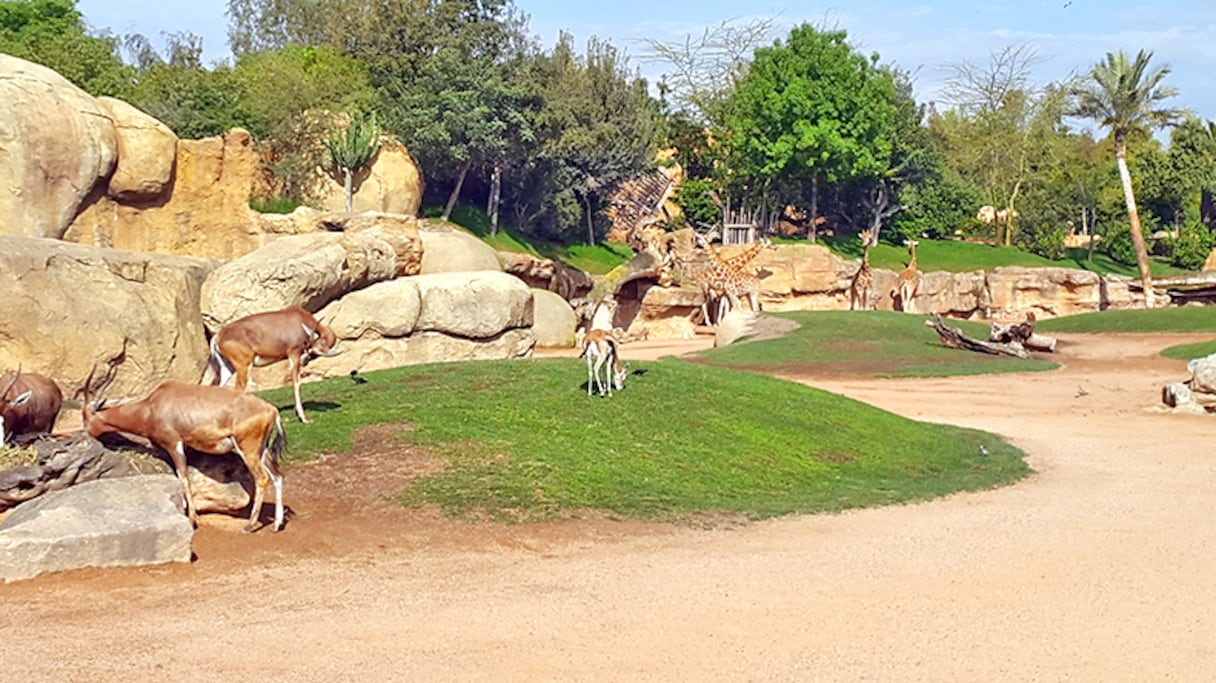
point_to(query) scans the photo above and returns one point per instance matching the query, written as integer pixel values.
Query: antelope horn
(12, 382)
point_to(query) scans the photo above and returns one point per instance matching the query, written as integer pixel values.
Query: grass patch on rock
(1176, 319)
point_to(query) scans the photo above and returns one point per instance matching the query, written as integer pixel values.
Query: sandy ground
(1099, 567)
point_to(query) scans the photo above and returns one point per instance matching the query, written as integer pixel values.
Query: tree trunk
(812, 215)
(348, 184)
(1133, 220)
(464, 171)
(495, 195)
(590, 223)
(954, 338)
(1093, 236)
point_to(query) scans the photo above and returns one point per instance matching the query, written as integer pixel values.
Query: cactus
(353, 149)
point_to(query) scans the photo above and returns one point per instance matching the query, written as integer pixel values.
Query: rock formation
(68, 307)
(56, 144)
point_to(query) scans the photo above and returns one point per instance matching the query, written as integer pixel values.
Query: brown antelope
(600, 349)
(29, 404)
(264, 338)
(211, 419)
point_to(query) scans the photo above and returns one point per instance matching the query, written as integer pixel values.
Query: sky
(1069, 36)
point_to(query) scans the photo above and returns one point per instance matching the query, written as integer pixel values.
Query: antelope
(264, 338)
(29, 404)
(600, 349)
(211, 419)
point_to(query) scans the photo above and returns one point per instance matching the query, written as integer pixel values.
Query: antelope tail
(275, 448)
(218, 365)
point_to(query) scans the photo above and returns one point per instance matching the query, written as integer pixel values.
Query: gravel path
(1098, 567)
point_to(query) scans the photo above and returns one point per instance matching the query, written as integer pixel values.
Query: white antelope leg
(224, 370)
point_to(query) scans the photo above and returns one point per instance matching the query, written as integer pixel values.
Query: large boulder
(56, 144)
(296, 270)
(203, 212)
(1048, 292)
(146, 151)
(803, 277)
(553, 320)
(426, 319)
(105, 523)
(393, 184)
(449, 250)
(69, 307)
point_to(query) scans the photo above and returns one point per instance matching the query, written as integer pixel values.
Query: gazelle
(29, 404)
(264, 338)
(211, 419)
(600, 349)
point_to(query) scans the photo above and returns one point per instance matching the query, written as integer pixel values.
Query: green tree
(176, 89)
(1123, 94)
(52, 33)
(810, 109)
(597, 126)
(353, 149)
(1001, 131)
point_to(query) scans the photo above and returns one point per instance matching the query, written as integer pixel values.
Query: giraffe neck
(865, 257)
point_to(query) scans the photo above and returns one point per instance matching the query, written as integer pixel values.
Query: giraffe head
(865, 237)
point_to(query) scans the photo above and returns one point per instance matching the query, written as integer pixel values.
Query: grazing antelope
(600, 348)
(211, 419)
(29, 404)
(264, 338)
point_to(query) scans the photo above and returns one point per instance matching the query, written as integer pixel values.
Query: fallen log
(1022, 333)
(955, 339)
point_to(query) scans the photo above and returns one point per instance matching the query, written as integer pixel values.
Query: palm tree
(1122, 94)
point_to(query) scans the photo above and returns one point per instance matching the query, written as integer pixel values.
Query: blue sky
(1069, 35)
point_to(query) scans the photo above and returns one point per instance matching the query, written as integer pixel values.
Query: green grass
(1199, 319)
(870, 343)
(523, 441)
(956, 256)
(274, 205)
(1189, 351)
(597, 260)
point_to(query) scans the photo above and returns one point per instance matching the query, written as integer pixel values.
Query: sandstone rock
(662, 312)
(426, 319)
(384, 309)
(69, 307)
(393, 184)
(421, 347)
(400, 231)
(56, 144)
(297, 270)
(206, 212)
(1210, 262)
(146, 152)
(449, 250)
(958, 295)
(477, 305)
(105, 523)
(553, 320)
(1046, 291)
(536, 272)
(802, 277)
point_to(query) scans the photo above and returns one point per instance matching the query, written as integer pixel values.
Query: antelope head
(321, 341)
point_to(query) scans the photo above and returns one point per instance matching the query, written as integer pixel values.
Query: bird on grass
(983, 449)
(354, 377)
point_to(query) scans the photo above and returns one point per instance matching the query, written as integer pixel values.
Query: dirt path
(1098, 567)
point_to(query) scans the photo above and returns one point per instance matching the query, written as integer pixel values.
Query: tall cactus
(353, 149)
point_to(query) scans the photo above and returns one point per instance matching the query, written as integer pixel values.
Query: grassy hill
(523, 441)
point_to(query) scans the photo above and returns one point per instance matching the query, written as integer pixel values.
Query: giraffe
(909, 280)
(859, 290)
(727, 280)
